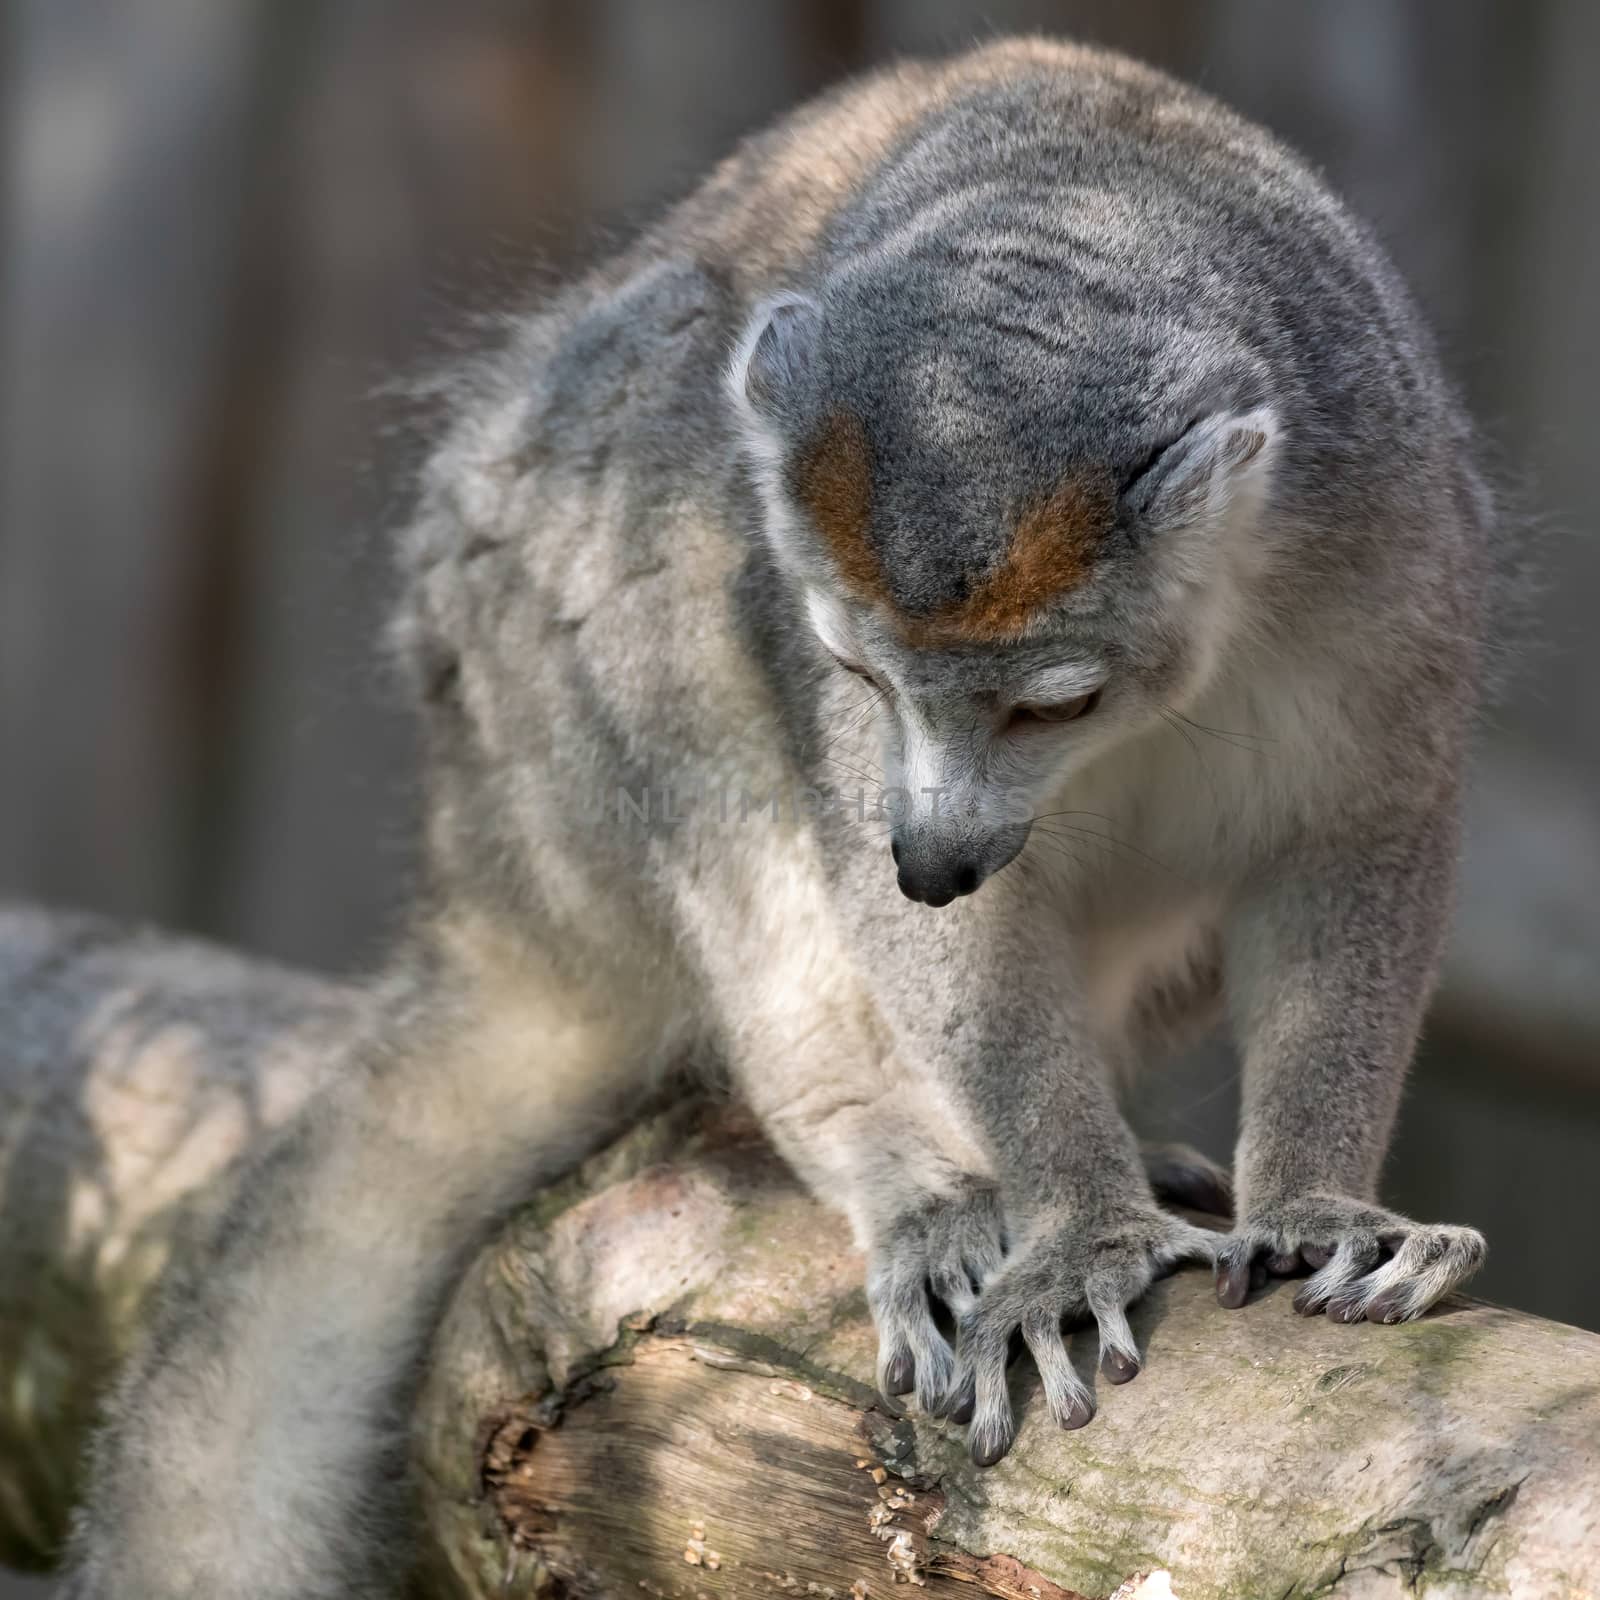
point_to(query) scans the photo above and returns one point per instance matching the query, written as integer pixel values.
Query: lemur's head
(1029, 531)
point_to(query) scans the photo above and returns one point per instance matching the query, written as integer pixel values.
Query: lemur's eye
(854, 670)
(1062, 711)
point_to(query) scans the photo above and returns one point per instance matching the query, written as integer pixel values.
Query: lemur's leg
(1331, 963)
(815, 1062)
(1001, 1033)
(862, 1134)
(256, 1445)
(1174, 1015)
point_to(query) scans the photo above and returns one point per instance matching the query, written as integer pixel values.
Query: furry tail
(255, 1445)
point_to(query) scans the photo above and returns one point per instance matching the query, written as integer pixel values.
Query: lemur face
(1028, 558)
(974, 738)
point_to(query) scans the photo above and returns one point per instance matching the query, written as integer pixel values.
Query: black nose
(937, 885)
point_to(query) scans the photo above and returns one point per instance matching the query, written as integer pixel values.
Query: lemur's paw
(1181, 1176)
(1365, 1262)
(1068, 1269)
(953, 1245)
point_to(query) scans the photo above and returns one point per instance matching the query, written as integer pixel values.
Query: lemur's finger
(897, 1365)
(1118, 1367)
(1348, 1271)
(1428, 1264)
(962, 1400)
(1233, 1274)
(1328, 1288)
(935, 1364)
(993, 1428)
(1389, 1307)
(912, 1353)
(1065, 1393)
(1309, 1299)
(899, 1374)
(917, 1360)
(1182, 1241)
(1119, 1354)
(1283, 1263)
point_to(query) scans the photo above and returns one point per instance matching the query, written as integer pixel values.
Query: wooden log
(657, 1380)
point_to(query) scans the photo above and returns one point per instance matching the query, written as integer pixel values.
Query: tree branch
(657, 1381)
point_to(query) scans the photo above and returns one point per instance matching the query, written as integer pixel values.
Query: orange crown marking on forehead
(832, 478)
(1052, 552)
(1052, 549)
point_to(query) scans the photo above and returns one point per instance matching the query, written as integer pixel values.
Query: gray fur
(1032, 261)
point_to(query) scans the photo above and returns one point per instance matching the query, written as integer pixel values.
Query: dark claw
(1118, 1368)
(1316, 1256)
(1233, 1283)
(959, 1405)
(1307, 1302)
(1082, 1411)
(900, 1376)
(1386, 1308)
(990, 1445)
(1283, 1263)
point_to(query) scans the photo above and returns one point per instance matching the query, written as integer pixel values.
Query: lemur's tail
(256, 1443)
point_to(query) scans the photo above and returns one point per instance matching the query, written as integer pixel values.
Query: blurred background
(229, 224)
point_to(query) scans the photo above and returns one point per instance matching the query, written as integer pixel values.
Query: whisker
(844, 731)
(872, 780)
(1176, 724)
(1118, 849)
(1107, 838)
(1105, 846)
(1047, 816)
(855, 720)
(1054, 845)
(1226, 735)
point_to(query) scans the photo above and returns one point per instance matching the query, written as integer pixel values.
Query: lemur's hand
(1070, 1265)
(954, 1243)
(1366, 1262)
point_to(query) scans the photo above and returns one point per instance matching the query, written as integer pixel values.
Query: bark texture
(657, 1380)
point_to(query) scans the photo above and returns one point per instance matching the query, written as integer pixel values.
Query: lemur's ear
(775, 364)
(1219, 462)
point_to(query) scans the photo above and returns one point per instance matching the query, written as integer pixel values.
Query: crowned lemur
(1008, 539)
